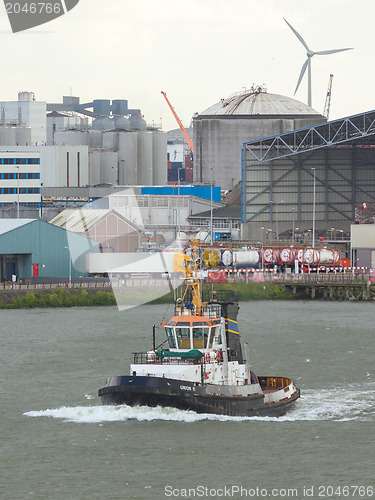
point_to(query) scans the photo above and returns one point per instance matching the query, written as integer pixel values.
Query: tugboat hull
(184, 395)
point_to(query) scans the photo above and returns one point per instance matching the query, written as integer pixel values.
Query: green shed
(34, 248)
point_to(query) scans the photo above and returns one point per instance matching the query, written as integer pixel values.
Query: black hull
(154, 391)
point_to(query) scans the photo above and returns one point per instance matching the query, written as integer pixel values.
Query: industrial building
(220, 131)
(123, 148)
(310, 179)
(114, 233)
(26, 112)
(34, 249)
(180, 157)
(20, 181)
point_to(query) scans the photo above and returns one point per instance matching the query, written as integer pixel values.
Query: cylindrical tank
(245, 257)
(287, 255)
(26, 96)
(122, 123)
(110, 140)
(327, 256)
(211, 257)
(128, 158)
(95, 139)
(94, 168)
(227, 257)
(71, 138)
(119, 107)
(159, 158)
(102, 106)
(23, 136)
(108, 167)
(271, 255)
(7, 136)
(137, 122)
(144, 158)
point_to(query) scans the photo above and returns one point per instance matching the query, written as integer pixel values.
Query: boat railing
(152, 357)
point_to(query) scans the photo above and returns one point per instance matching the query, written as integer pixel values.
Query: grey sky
(197, 51)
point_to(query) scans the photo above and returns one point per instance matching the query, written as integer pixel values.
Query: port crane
(183, 129)
(327, 104)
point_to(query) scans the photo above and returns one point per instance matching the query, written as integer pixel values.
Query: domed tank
(137, 122)
(128, 158)
(159, 158)
(144, 158)
(220, 130)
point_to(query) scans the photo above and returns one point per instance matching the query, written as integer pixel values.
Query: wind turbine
(310, 54)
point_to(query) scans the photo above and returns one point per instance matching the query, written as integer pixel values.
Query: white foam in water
(339, 404)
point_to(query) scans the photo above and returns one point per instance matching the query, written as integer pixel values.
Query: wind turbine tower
(307, 63)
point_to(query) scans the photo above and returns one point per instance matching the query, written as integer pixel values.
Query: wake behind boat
(202, 368)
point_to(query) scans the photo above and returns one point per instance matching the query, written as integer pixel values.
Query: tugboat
(202, 367)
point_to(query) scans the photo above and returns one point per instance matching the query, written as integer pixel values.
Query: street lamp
(18, 191)
(277, 219)
(332, 229)
(70, 267)
(313, 230)
(261, 240)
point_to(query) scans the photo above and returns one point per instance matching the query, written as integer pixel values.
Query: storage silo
(221, 129)
(144, 158)
(159, 158)
(94, 168)
(128, 158)
(7, 136)
(109, 167)
(71, 138)
(95, 139)
(23, 136)
(110, 140)
(137, 122)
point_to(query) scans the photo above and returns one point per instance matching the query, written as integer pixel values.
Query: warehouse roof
(7, 225)
(80, 220)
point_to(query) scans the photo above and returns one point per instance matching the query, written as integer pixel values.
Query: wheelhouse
(192, 332)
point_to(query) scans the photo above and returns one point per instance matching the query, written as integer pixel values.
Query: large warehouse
(220, 131)
(310, 179)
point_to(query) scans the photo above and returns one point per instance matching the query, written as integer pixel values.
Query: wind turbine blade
(301, 74)
(297, 35)
(333, 51)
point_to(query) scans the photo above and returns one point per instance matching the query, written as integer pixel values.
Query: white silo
(159, 158)
(110, 140)
(7, 136)
(109, 167)
(94, 168)
(144, 158)
(95, 139)
(128, 158)
(71, 138)
(23, 136)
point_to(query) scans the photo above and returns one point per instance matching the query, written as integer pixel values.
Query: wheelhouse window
(170, 337)
(200, 337)
(215, 335)
(183, 338)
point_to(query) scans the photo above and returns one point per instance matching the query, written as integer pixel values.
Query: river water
(58, 442)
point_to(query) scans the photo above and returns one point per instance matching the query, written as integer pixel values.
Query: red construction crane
(183, 129)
